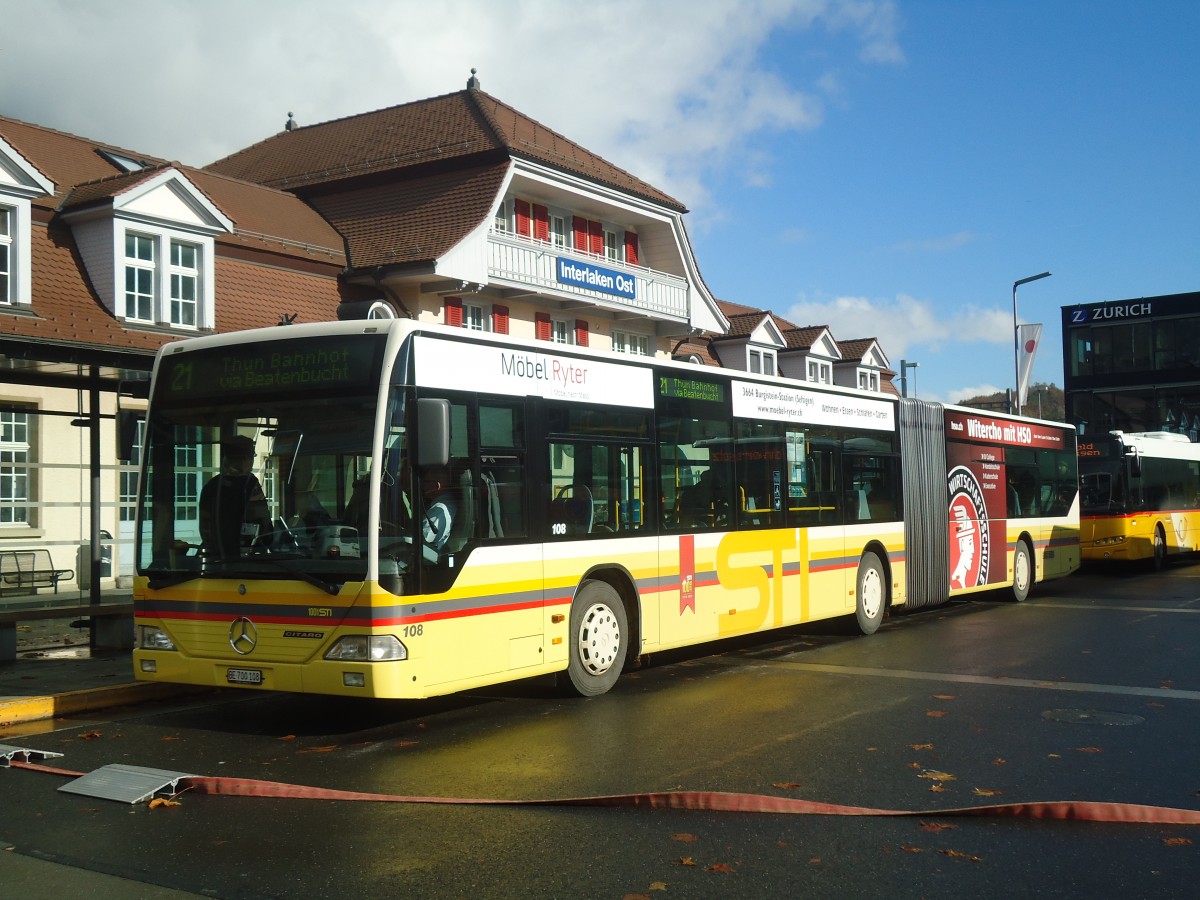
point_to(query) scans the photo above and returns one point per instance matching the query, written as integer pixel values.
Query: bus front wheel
(599, 639)
(1159, 557)
(1022, 571)
(870, 594)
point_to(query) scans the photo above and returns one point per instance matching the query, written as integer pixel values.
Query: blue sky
(885, 167)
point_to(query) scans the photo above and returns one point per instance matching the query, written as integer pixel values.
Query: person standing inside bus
(233, 507)
(440, 506)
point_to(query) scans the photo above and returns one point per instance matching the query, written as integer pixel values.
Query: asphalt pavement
(57, 673)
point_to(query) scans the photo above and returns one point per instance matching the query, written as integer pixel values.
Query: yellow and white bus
(1140, 496)
(604, 507)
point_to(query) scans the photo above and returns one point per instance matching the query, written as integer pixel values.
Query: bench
(116, 632)
(22, 569)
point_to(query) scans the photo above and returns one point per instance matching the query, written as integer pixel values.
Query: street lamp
(905, 365)
(1017, 341)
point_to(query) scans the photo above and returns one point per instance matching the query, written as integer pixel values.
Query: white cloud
(671, 91)
(905, 324)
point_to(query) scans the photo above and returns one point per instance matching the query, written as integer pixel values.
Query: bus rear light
(367, 648)
(151, 638)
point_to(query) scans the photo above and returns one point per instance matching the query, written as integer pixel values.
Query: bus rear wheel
(1022, 571)
(870, 594)
(599, 639)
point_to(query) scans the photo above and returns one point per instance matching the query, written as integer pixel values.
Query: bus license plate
(244, 676)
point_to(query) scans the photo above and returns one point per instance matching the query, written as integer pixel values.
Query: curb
(32, 709)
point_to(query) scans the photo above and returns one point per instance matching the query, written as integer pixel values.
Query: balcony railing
(524, 261)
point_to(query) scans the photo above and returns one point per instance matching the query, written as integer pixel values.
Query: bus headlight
(151, 638)
(367, 648)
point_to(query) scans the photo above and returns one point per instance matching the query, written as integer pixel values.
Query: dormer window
(761, 362)
(6, 255)
(820, 372)
(146, 282)
(150, 251)
(185, 280)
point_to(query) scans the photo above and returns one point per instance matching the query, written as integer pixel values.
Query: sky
(888, 168)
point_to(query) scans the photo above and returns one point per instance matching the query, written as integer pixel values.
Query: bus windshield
(261, 471)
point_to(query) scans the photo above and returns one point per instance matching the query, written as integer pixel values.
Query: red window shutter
(454, 311)
(596, 238)
(580, 227)
(631, 248)
(541, 325)
(522, 209)
(500, 319)
(541, 223)
(581, 333)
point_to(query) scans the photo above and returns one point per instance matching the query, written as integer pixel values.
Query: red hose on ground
(713, 801)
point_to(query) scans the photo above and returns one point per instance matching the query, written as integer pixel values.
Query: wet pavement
(57, 673)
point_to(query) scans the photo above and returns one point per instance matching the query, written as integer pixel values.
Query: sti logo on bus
(969, 538)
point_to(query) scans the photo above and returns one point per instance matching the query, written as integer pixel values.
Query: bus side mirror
(433, 432)
(127, 425)
(1135, 462)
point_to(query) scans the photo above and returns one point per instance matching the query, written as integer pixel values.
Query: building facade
(1133, 365)
(458, 209)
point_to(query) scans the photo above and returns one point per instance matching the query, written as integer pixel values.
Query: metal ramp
(127, 784)
(8, 751)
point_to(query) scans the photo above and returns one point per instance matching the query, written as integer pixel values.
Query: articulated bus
(604, 507)
(1140, 496)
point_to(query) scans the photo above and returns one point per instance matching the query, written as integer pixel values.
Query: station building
(457, 209)
(1133, 365)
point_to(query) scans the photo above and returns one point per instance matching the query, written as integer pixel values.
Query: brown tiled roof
(65, 159)
(415, 220)
(453, 127)
(803, 338)
(67, 312)
(855, 350)
(265, 218)
(743, 324)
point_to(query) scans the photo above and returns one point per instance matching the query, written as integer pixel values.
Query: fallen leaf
(686, 861)
(327, 749)
(658, 885)
(815, 861)
(937, 788)
(1054, 756)
(405, 743)
(683, 837)
(936, 826)
(999, 762)
(908, 848)
(921, 746)
(986, 792)
(935, 713)
(168, 737)
(288, 737)
(1177, 842)
(935, 775)
(786, 785)
(723, 868)
(914, 765)
(636, 897)
(89, 735)
(944, 697)
(1089, 750)
(158, 802)
(872, 749)
(958, 854)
